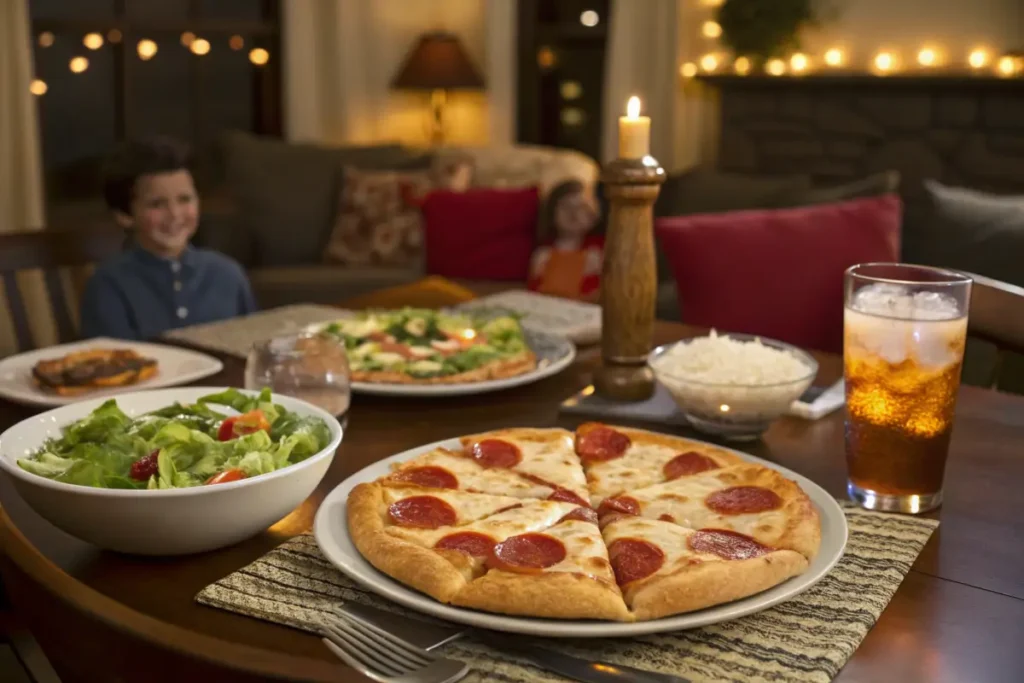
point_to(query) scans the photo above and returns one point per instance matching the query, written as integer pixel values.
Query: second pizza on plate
(604, 523)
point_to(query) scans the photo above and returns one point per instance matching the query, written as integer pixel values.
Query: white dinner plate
(554, 354)
(174, 366)
(331, 530)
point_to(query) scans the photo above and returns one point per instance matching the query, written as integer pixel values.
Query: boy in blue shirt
(160, 282)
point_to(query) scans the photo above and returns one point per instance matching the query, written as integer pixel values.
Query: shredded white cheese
(722, 360)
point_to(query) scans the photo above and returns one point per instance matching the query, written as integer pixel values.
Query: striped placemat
(806, 639)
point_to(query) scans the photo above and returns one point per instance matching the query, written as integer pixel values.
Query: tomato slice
(226, 476)
(246, 423)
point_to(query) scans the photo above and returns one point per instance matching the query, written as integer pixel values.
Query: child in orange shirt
(568, 262)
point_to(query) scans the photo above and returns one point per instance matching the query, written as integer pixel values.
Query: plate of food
(170, 471)
(64, 374)
(608, 531)
(425, 352)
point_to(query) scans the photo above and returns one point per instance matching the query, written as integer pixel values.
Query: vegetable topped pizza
(422, 346)
(604, 523)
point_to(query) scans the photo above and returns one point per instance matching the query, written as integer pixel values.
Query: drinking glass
(311, 367)
(905, 328)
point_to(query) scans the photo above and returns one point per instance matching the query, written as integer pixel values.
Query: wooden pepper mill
(628, 279)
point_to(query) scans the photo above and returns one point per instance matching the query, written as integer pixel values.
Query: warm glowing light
(688, 70)
(834, 57)
(709, 62)
(146, 49)
(885, 62)
(93, 41)
(187, 37)
(711, 29)
(546, 58)
(114, 35)
(978, 58)
(927, 57)
(713, 3)
(633, 108)
(78, 64)
(38, 87)
(590, 18)
(45, 39)
(724, 408)
(742, 66)
(469, 334)
(1008, 66)
(259, 56)
(236, 42)
(775, 67)
(200, 46)
(799, 62)
(570, 90)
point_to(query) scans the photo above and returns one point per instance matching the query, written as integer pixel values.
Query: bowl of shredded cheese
(732, 385)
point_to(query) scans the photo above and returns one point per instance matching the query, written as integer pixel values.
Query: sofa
(274, 202)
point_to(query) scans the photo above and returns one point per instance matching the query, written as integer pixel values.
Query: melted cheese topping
(683, 501)
(468, 507)
(671, 539)
(585, 552)
(535, 516)
(473, 477)
(554, 461)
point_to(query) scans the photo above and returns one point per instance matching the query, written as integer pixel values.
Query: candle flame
(633, 107)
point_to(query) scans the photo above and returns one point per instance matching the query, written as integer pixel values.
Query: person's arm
(247, 302)
(104, 312)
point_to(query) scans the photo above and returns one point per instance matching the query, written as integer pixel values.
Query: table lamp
(437, 63)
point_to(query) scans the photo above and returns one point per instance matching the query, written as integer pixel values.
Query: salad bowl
(195, 492)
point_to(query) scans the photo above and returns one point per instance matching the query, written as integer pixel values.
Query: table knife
(435, 633)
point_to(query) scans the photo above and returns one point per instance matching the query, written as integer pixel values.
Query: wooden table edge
(242, 658)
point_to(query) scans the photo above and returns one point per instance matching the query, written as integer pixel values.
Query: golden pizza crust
(557, 595)
(707, 584)
(499, 368)
(424, 569)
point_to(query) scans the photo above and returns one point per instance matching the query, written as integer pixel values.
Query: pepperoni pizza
(607, 523)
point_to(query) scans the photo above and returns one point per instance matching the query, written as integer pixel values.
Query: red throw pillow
(483, 234)
(777, 273)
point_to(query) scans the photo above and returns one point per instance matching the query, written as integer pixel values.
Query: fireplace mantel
(862, 80)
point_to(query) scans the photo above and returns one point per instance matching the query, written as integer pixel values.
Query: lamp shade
(437, 61)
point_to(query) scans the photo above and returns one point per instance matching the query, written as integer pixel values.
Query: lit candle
(634, 132)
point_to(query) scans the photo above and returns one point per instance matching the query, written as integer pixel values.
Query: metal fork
(377, 654)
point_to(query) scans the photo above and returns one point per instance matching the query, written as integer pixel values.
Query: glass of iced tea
(903, 348)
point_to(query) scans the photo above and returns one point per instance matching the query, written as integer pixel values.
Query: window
(561, 72)
(111, 69)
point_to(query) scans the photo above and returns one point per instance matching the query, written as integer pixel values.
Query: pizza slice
(665, 569)
(618, 459)
(542, 456)
(750, 499)
(544, 558)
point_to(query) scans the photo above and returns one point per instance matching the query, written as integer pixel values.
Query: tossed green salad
(181, 445)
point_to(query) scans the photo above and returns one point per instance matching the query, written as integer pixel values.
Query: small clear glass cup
(308, 366)
(905, 328)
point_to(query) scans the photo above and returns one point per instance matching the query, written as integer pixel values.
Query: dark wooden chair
(997, 316)
(50, 251)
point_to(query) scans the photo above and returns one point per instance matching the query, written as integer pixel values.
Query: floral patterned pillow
(376, 224)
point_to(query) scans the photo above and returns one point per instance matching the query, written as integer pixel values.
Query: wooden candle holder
(629, 279)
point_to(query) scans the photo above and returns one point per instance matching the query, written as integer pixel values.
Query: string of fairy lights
(146, 49)
(927, 58)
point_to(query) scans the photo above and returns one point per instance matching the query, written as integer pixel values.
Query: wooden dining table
(958, 615)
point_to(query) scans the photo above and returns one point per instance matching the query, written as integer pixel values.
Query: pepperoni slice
(429, 476)
(470, 542)
(729, 545)
(496, 453)
(425, 512)
(688, 463)
(619, 504)
(740, 500)
(600, 443)
(567, 496)
(528, 553)
(634, 559)
(581, 514)
(667, 518)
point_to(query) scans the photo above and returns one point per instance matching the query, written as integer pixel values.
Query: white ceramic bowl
(161, 522)
(740, 412)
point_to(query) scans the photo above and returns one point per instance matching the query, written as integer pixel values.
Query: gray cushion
(877, 184)
(706, 190)
(286, 193)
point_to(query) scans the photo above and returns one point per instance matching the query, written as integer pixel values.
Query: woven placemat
(237, 335)
(806, 639)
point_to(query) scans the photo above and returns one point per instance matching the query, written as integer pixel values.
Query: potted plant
(763, 29)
